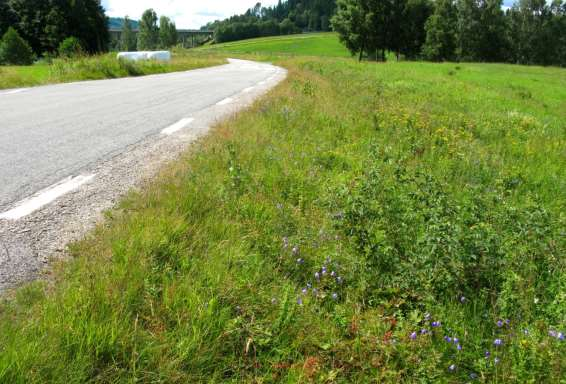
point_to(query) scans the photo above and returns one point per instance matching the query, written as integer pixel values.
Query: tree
(412, 24)
(492, 43)
(167, 32)
(352, 24)
(14, 50)
(7, 16)
(128, 40)
(468, 29)
(148, 35)
(440, 43)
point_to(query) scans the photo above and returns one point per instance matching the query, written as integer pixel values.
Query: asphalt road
(52, 132)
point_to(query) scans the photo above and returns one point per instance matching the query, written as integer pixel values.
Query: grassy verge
(363, 223)
(98, 68)
(311, 44)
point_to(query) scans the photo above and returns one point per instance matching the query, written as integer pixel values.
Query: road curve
(48, 133)
(70, 151)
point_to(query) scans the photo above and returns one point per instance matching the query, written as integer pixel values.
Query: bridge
(189, 38)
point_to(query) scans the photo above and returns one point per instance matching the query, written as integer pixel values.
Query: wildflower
(413, 336)
(456, 340)
(462, 299)
(496, 361)
(295, 250)
(499, 323)
(526, 331)
(497, 342)
(317, 275)
(552, 333)
(487, 354)
(305, 291)
(309, 285)
(560, 336)
(339, 280)
(300, 261)
(507, 322)
(334, 296)
(536, 300)
(274, 301)
(323, 271)
(427, 316)
(285, 242)
(333, 274)
(458, 347)
(448, 339)
(436, 324)
(300, 300)
(424, 331)
(452, 368)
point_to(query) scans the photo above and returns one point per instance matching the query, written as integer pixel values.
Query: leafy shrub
(70, 47)
(14, 50)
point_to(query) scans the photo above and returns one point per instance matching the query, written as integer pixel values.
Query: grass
(311, 44)
(400, 197)
(98, 68)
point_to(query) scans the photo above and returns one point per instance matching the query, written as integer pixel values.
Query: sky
(187, 14)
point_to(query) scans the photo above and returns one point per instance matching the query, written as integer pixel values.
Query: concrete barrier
(145, 55)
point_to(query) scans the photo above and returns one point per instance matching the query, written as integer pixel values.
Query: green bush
(14, 50)
(70, 47)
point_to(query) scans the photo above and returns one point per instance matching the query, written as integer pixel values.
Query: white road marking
(14, 91)
(249, 89)
(227, 100)
(28, 206)
(177, 126)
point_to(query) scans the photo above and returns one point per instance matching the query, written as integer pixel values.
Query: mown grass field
(98, 68)
(399, 222)
(310, 44)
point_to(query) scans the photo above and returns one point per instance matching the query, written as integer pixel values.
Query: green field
(310, 44)
(345, 229)
(98, 68)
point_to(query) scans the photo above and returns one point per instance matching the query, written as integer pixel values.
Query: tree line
(288, 17)
(45, 24)
(150, 35)
(530, 32)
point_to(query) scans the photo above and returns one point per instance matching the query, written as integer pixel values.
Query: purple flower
(456, 340)
(436, 324)
(452, 368)
(413, 336)
(459, 347)
(487, 354)
(497, 342)
(333, 274)
(295, 250)
(507, 321)
(334, 296)
(305, 291)
(448, 339)
(552, 333)
(560, 336)
(300, 261)
(323, 271)
(499, 323)
(424, 331)
(300, 300)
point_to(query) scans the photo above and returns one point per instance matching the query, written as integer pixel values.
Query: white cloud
(185, 13)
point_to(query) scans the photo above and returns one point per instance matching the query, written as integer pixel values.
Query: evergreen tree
(492, 44)
(128, 40)
(440, 29)
(148, 35)
(352, 24)
(7, 17)
(167, 32)
(412, 24)
(14, 50)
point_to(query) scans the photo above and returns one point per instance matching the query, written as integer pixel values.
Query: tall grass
(363, 223)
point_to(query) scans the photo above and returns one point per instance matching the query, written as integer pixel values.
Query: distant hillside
(117, 22)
